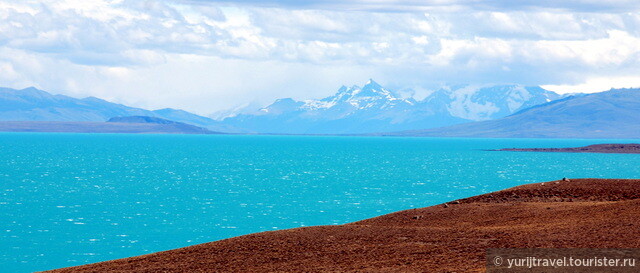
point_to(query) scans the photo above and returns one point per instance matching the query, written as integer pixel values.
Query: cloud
(206, 56)
(413, 5)
(104, 32)
(597, 84)
(128, 33)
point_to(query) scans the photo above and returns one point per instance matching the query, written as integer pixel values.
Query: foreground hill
(581, 213)
(31, 104)
(128, 125)
(373, 108)
(610, 114)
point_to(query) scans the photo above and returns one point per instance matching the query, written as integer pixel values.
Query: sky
(213, 57)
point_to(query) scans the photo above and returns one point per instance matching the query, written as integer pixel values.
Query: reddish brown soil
(584, 213)
(598, 148)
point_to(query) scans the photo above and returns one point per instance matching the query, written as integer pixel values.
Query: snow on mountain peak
(371, 95)
(372, 84)
(356, 108)
(489, 102)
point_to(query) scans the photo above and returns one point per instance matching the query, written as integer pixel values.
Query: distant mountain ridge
(102, 127)
(31, 104)
(610, 114)
(373, 108)
(143, 119)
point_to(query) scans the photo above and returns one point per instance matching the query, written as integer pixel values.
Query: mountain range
(459, 111)
(352, 110)
(610, 114)
(373, 108)
(31, 104)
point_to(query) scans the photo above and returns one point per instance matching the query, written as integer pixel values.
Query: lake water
(71, 199)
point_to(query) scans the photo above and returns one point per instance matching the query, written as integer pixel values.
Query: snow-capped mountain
(373, 108)
(609, 114)
(490, 102)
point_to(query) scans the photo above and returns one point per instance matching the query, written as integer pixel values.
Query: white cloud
(412, 5)
(206, 56)
(596, 84)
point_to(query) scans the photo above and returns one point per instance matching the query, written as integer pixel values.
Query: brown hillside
(585, 213)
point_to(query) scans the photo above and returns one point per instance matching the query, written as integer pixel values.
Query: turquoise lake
(72, 199)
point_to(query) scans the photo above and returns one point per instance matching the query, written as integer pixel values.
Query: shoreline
(630, 148)
(579, 213)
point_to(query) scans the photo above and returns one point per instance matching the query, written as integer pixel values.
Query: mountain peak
(372, 84)
(34, 91)
(30, 88)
